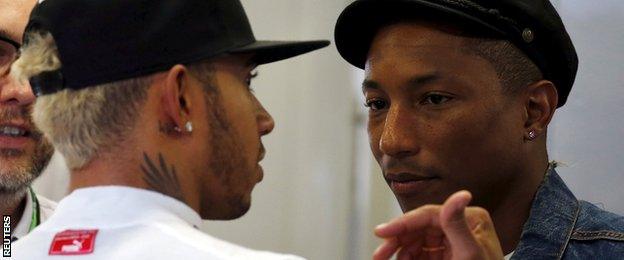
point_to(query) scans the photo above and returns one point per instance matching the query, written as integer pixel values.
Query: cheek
(245, 126)
(471, 140)
(375, 129)
(457, 137)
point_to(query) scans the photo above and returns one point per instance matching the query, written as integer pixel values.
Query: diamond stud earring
(189, 126)
(532, 135)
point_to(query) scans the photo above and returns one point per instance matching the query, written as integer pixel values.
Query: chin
(230, 211)
(240, 212)
(417, 201)
(239, 209)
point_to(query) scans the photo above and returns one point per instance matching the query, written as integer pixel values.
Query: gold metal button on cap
(528, 35)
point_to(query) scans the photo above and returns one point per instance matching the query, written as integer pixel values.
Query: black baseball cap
(534, 26)
(102, 41)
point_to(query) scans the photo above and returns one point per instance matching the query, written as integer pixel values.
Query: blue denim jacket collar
(551, 220)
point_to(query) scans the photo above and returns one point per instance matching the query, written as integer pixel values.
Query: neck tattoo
(161, 179)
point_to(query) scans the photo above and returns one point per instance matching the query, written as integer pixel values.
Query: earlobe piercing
(532, 135)
(189, 126)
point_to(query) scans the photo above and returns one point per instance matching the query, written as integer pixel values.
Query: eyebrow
(414, 82)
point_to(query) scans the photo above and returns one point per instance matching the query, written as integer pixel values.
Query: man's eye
(436, 99)
(249, 78)
(376, 104)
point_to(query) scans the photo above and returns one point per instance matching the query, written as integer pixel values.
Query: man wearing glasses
(24, 152)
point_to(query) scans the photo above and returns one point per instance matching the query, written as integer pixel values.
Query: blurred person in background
(24, 153)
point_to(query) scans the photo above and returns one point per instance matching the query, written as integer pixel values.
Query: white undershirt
(507, 257)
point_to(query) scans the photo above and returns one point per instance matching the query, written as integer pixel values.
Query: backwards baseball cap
(102, 41)
(531, 25)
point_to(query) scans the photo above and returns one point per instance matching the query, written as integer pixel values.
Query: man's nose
(13, 92)
(265, 120)
(399, 136)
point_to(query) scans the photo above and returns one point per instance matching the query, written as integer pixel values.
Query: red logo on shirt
(73, 242)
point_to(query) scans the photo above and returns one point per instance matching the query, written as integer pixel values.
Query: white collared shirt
(46, 208)
(132, 224)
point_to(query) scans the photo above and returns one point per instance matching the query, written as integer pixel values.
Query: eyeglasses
(9, 52)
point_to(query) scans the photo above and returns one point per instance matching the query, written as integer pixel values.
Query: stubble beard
(227, 158)
(18, 169)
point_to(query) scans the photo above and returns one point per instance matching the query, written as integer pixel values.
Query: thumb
(454, 224)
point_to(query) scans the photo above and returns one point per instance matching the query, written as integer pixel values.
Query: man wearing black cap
(460, 95)
(150, 104)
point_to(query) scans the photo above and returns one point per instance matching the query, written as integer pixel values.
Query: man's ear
(175, 96)
(540, 104)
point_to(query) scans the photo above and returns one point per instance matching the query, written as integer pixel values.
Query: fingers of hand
(452, 213)
(454, 223)
(479, 220)
(465, 231)
(406, 254)
(386, 249)
(484, 233)
(428, 244)
(434, 246)
(421, 241)
(414, 221)
(413, 250)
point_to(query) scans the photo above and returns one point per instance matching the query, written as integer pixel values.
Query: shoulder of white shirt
(203, 242)
(195, 239)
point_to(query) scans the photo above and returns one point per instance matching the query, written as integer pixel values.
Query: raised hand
(450, 231)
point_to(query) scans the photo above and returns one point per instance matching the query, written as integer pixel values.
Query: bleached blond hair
(80, 123)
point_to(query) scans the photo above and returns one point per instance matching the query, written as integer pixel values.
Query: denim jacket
(562, 227)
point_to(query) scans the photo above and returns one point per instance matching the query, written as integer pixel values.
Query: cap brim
(359, 23)
(271, 51)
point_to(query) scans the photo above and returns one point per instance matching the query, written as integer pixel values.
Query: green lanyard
(36, 216)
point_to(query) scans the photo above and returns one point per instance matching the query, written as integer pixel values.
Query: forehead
(14, 17)
(403, 51)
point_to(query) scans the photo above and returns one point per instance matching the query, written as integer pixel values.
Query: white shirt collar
(24, 223)
(114, 206)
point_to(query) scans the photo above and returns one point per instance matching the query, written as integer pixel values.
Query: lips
(262, 153)
(260, 174)
(14, 136)
(406, 183)
(16, 128)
